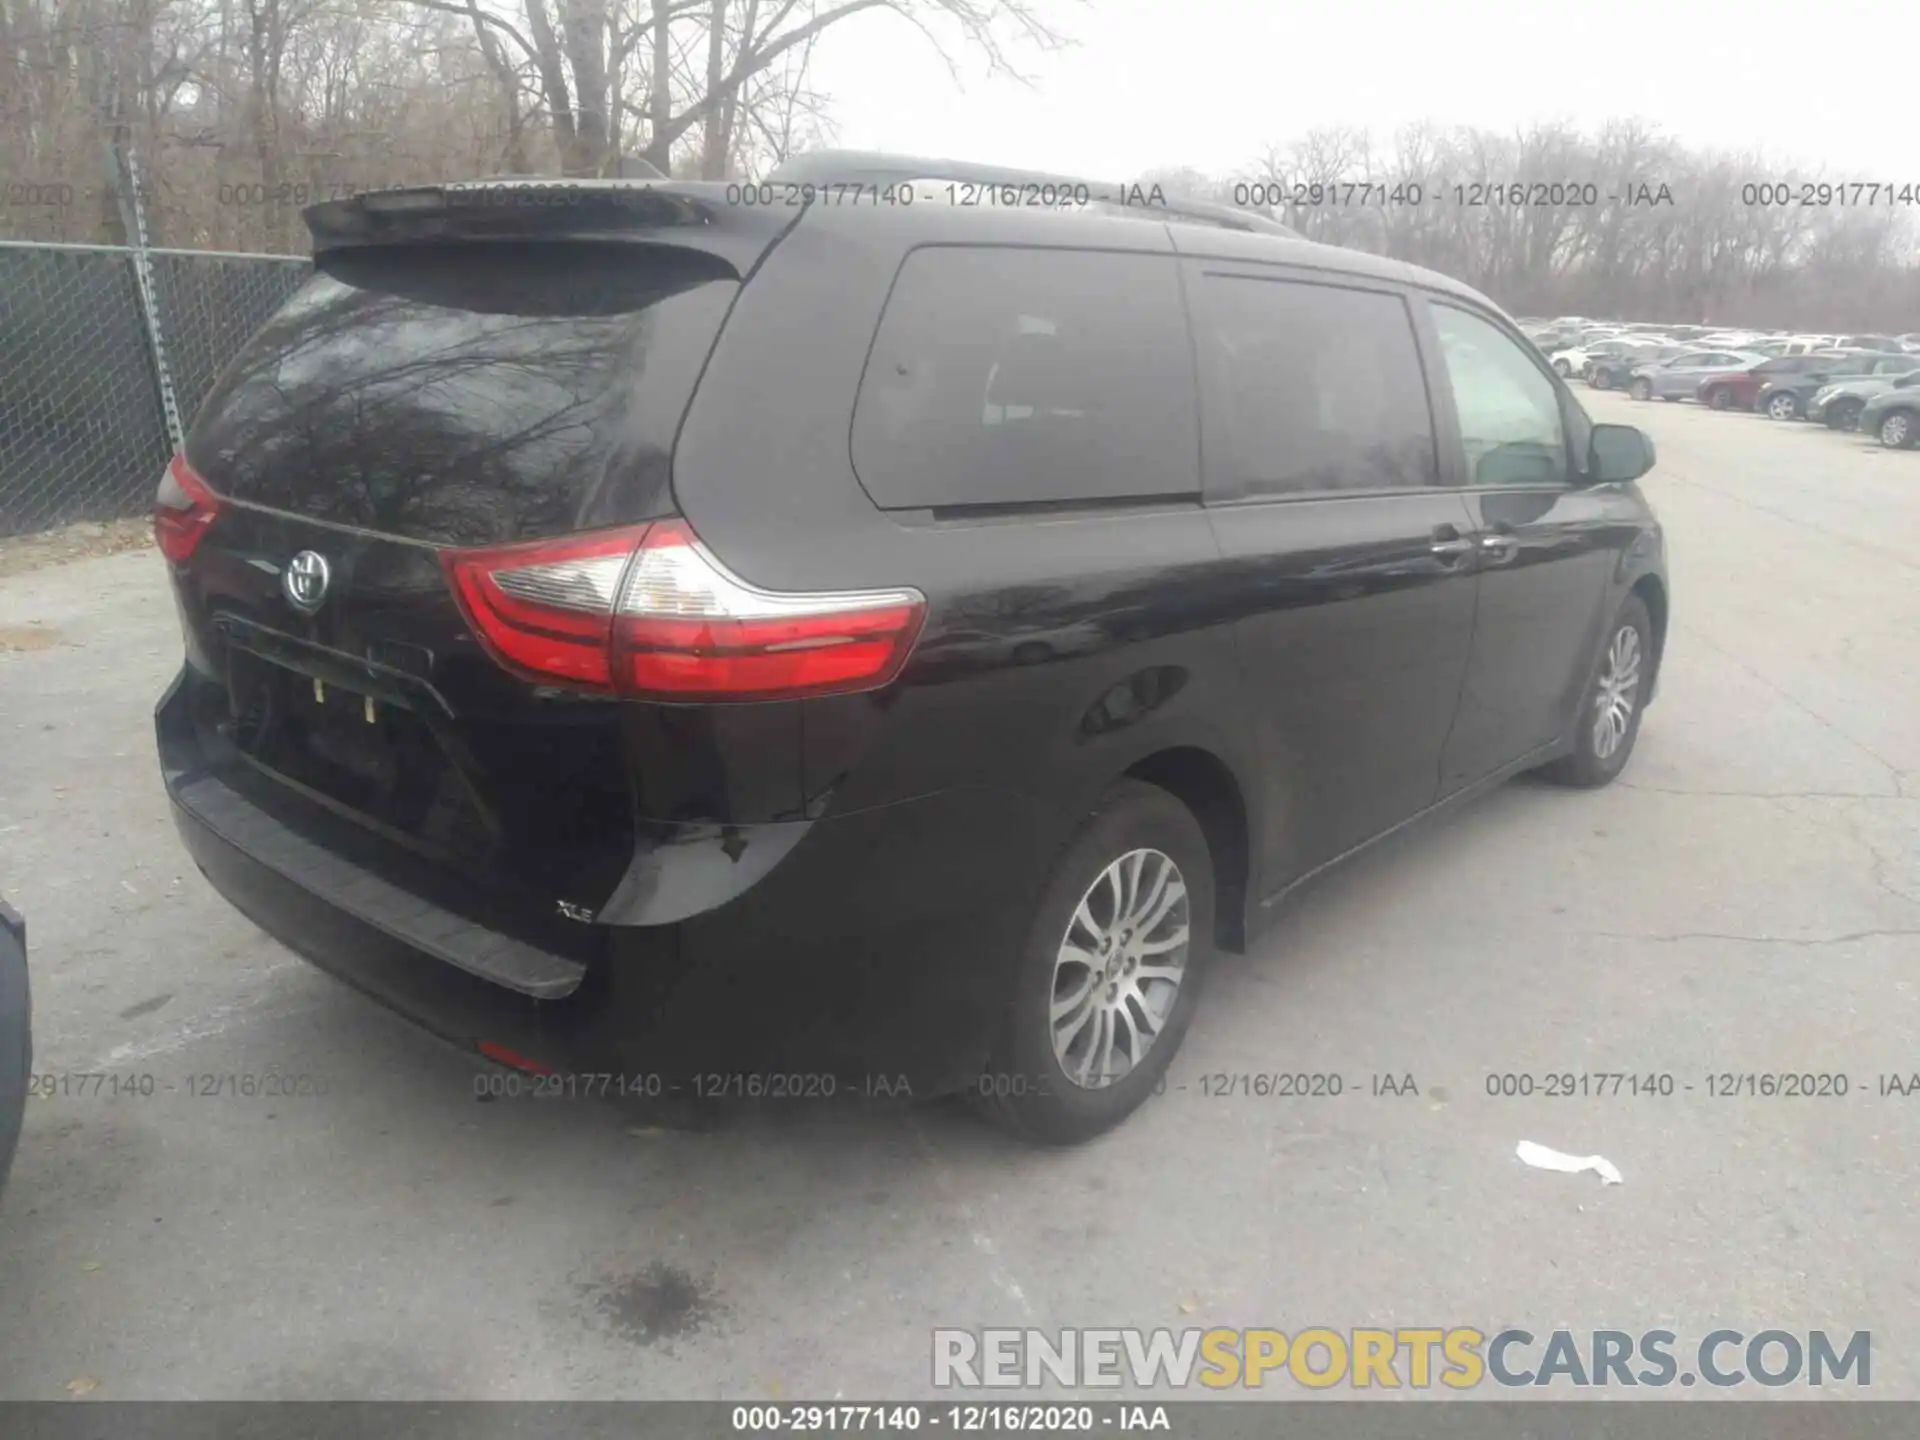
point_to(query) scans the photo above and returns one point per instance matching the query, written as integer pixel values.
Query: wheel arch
(1652, 591)
(1207, 786)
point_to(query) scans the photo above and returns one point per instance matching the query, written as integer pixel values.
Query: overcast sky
(1211, 83)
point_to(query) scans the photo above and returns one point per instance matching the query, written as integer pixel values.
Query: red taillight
(651, 612)
(500, 1054)
(182, 510)
(547, 607)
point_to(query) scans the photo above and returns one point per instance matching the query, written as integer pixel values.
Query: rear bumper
(880, 946)
(16, 1034)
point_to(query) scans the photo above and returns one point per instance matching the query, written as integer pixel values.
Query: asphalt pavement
(1745, 901)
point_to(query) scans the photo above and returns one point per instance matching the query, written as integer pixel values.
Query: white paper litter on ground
(1541, 1158)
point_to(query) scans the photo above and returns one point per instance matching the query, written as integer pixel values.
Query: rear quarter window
(1309, 388)
(1010, 376)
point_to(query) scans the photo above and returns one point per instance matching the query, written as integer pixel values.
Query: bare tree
(242, 112)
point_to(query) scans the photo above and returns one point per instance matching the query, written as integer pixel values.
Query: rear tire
(1641, 390)
(1049, 1090)
(1600, 380)
(1897, 430)
(1783, 407)
(1603, 736)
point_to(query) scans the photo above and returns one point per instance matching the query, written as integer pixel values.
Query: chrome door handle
(1447, 549)
(1499, 547)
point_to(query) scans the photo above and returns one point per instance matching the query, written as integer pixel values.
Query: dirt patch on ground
(21, 553)
(28, 637)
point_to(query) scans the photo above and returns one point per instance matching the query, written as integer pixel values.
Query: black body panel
(16, 1033)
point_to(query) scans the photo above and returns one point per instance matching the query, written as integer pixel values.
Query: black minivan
(881, 629)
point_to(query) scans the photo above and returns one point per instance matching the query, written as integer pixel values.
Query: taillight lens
(650, 612)
(183, 510)
(546, 608)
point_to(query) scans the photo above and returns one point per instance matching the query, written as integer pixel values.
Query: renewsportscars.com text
(1456, 1358)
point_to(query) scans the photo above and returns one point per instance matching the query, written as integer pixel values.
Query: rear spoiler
(695, 215)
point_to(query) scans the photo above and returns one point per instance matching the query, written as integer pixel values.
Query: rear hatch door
(458, 372)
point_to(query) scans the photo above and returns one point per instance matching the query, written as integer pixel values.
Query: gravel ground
(21, 553)
(1746, 900)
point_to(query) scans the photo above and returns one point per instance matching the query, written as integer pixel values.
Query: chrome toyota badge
(305, 581)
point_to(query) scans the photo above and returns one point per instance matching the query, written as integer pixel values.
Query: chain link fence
(87, 355)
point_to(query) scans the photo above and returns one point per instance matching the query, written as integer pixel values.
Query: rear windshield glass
(469, 394)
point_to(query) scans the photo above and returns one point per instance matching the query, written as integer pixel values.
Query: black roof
(1198, 228)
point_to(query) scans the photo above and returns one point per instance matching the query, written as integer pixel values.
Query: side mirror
(1617, 454)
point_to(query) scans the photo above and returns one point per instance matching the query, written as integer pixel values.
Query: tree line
(1623, 222)
(228, 116)
(237, 112)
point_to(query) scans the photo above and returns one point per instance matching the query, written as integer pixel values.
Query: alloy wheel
(1118, 970)
(1616, 693)
(1781, 407)
(1896, 430)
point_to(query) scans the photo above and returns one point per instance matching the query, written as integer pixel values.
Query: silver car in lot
(1679, 378)
(1838, 405)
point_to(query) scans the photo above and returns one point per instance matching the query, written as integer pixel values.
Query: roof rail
(856, 167)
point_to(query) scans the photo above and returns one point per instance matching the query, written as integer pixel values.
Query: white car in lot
(1574, 362)
(1788, 345)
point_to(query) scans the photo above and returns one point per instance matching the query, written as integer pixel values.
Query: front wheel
(1896, 430)
(1641, 389)
(1844, 414)
(1719, 399)
(1600, 380)
(1109, 972)
(1782, 407)
(1609, 720)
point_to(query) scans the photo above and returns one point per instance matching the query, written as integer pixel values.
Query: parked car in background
(1910, 342)
(1789, 397)
(1893, 416)
(1613, 371)
(1548, 340)
(1573, 363)
(1868, 342)
(1838, 405)
(16, 1033)
(1739, 390)
(1790, 345)
(1680, 377)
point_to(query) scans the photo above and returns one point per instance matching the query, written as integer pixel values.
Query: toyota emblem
(305, 581)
